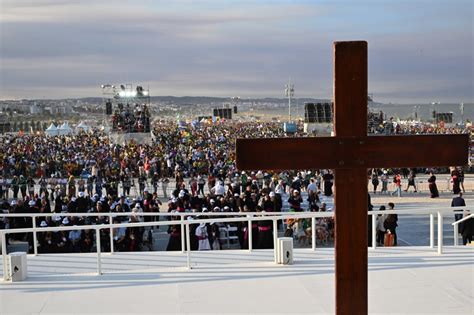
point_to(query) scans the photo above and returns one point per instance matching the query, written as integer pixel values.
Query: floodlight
(145, 93)
(122, 93)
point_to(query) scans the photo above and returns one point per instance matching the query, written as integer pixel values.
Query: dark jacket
(466, 228)
(458, 202)
(390, 223)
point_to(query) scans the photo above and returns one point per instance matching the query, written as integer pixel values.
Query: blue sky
(419, 51)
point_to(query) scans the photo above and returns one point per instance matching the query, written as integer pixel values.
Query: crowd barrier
(230, 217)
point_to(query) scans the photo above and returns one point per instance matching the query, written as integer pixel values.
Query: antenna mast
(289, 92)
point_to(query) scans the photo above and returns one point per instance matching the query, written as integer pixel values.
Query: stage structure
(127, 112)
(318, 118)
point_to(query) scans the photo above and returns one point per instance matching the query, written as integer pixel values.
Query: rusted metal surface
(416, 151)
(351, 241)
(350, 120)
(350, 153)
(350, 89)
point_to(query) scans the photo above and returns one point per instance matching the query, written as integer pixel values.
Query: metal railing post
(35, 240)
(440, 233)
(182, 234)
(111, 235)
(431, 230)
(313, 233)
(188, 246)
(456, 237)
(374, 232)
(250, 232)
(98, 246)
(275, 239)
(3, 236)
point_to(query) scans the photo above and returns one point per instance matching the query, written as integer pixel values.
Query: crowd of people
(88, 173)
(124, 119)
(392, 126)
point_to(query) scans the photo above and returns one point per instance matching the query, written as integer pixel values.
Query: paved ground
(402, 280)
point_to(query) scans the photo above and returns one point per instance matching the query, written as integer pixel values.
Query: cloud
(229, 47)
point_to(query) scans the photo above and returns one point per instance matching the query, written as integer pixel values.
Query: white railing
(456, 228)
(250, 217)
(185, 222)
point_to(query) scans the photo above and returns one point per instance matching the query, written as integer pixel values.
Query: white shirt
(203, 239)
(219, 189)
(312, 187)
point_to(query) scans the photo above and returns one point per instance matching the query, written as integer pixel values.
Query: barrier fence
(188, 218)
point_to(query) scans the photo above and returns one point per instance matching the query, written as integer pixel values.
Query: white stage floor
(402, 280)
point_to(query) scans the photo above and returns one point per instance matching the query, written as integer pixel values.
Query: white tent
(51, 130)
(64, 129)
(82, 127)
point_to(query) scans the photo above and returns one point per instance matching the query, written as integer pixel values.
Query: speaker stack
(223, 112)
(108, 108)
(318, 112)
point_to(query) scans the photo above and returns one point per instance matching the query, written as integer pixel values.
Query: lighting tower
(289, 92)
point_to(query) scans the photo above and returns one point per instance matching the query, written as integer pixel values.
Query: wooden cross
(350, 153)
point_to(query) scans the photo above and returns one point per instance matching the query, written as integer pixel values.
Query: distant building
(35, 109)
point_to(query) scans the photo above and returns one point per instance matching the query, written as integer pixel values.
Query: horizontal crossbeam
(352, 152)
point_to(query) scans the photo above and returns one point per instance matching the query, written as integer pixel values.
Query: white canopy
(51, 130)
(82, 127)
(64, 129)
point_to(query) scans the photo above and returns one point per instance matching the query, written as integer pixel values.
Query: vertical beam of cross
(350, 153)
(350, 120)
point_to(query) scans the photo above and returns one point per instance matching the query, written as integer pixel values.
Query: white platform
(402, 280)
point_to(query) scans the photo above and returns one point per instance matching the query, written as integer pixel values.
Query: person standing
(265, 234)
(23, 184)
(90, 185)
(397, 180)
(71, 184)
(174, 231)
(432, 185)
(391, 223)
(375, 179)
(164, 186)
(31, 186)
(370, 207)
(203, 237)
(201, 182)
(455, 181)
(458, 202)
(328, 182)
(466, 229)
(384, 179)
(126, 184)
(411, 180)
(380, 228)
(43, 187)
(461, 179)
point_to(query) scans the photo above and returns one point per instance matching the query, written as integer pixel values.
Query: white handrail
(97, 228)
(182, 215)
(456, 228)
(463, 219)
